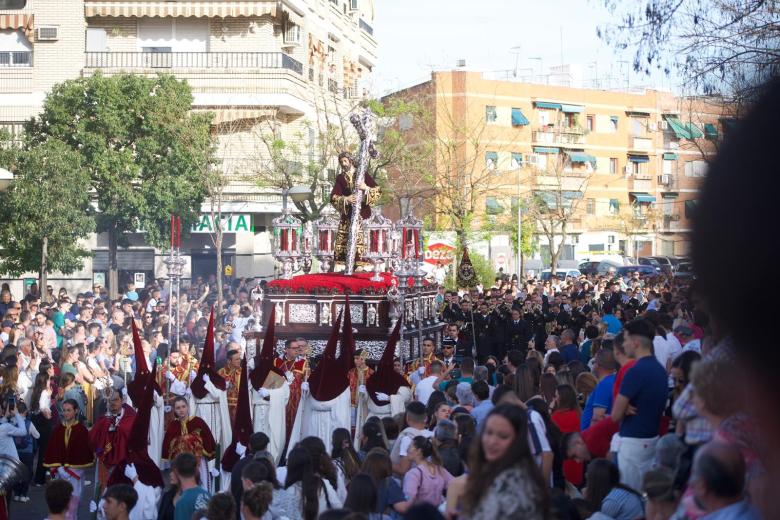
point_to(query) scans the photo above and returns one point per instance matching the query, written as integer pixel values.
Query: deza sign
(230, 223)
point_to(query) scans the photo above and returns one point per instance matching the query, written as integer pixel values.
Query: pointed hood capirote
(347, 352)
(137, 445)
(386, 380)
(207, 365)
(329, 379)
(135, 388)
(242, 427)
(264, 358)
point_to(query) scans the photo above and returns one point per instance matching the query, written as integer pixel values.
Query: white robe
(213, 409)
(156, 429)
(269, 417)
(320, 418)
(397, 404)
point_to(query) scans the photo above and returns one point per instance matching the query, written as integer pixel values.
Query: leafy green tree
(45, 212)
(143, 148)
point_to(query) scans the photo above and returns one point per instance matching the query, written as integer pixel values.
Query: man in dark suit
(517, 334)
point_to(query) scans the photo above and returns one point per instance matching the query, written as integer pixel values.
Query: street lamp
(6, 178)
(298, 193)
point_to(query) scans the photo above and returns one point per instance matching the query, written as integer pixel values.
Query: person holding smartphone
(11, 425)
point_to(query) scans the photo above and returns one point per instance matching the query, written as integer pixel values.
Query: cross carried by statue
(354, 188)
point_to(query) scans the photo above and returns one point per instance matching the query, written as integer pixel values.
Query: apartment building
(625, 165)
(281, 64)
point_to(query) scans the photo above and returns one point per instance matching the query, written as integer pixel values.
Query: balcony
(562, 136)
(365, 27)
(566, 182)
(640, 182)
(219, 78)
(641, 144)
(192, 60)
(670, 222)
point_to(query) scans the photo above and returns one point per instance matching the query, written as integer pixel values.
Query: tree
(554, 203)
(142, 146)
(45, 212)
(507, 222)
(723, 47)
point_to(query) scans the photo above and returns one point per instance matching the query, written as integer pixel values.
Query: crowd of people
(573, 398)
(593, 397)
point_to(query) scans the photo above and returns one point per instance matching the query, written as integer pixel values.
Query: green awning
(492, 207)
(638, 158)
(518, 118)
(694, 131)
(679, 129)
(710, 131)
(645, 198)
(669, 156)
(491, 156)
(517, 159)
(572, 108)
(547, 104)
(581, 157)
(546, 149)
(614, 205)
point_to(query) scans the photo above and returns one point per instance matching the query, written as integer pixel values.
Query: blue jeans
(21, 488)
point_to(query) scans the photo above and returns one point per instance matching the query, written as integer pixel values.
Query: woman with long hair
(427, 480)
(344, 455)
(390, 496)
(87, 382)
(69, 390)
(548, 384)
(503, 480)
(306, 492)
(607, 495)
(371, 438)
(524, 385)
(362, 497)
(440, 412)
(553, 473)
(40, 412)
(566, 416)
(323, 465)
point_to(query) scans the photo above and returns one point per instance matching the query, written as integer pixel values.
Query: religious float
(394, 288)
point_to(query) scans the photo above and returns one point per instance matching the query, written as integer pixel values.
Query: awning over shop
(572, 108)
(546, 149)
(638, 158)
(710, 131)
(581, 157)
(518, 118)
(492, 206)
(547, 104)
(643, 198)
(669, 156)
(181, 9)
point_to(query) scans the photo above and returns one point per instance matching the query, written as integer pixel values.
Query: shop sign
(230, 223)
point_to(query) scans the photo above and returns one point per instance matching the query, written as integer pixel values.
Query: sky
(417, 36)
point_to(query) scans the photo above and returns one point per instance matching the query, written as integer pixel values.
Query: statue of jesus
(342, 197)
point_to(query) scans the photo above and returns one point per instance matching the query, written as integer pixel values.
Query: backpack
(23, 443)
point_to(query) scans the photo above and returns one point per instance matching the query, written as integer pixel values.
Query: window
(611, 239)
(517, 160)
(97, 40)
(544, 118)
(636, 168)
(690, 208)
(668, 167)
(491, 160)
(595, 248)
(590, 206)
(614, 206)
(292, 33)
(637, 127)
(490, 114)
(589, 122)
(696, 168)
(173, 34)
(15, 50)
(613, 165)
(613, 122)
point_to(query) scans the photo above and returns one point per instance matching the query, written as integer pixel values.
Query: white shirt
(662, 350)
(424, 389)
(694, 344)
(675, 347)
(541, 432)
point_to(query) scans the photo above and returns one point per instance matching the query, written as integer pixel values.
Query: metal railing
(193, 60)
(553, 135)
(16, 59)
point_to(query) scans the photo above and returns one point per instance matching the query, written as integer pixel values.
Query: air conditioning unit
(48, 33)
(663, 125)
(674, 145)
(674, 217)
(665, 179)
